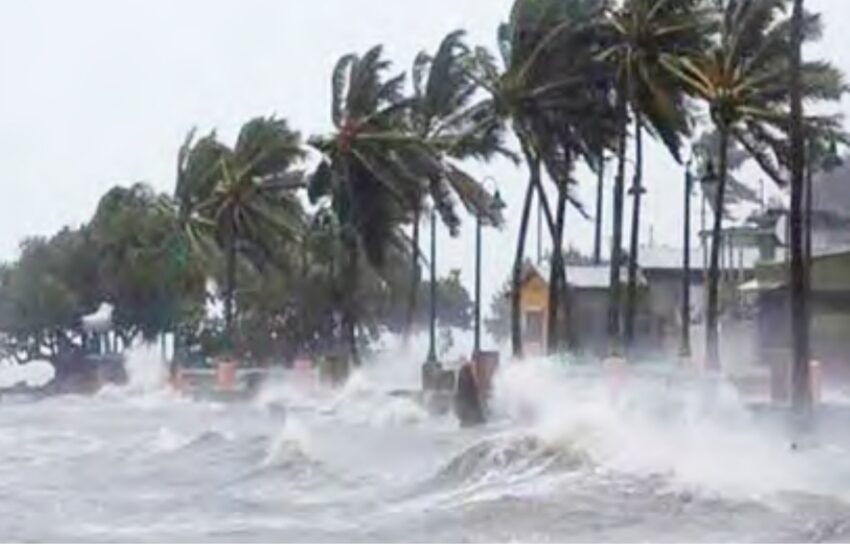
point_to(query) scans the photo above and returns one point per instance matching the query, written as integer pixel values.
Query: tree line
(572, 82)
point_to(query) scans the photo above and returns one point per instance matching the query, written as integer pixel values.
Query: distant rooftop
(667, 258)
(587, 277)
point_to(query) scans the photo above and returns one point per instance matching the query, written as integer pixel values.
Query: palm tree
(600, 208)
(243, 197)
(441, 115)
(642, 33)
(540, 91)
(375, 170)
(801, 392)
(744, 80)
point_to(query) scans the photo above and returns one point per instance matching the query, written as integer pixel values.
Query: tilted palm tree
(801, 391)
(375, 170)
(243, 198)
(641, 34)
(744, 80)
(545, 86)
(442, 114)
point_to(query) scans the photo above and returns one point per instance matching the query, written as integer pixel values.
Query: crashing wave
(510, 456)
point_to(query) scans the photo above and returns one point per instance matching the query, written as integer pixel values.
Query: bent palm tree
(440, 115)
(374, 169)
(244, 197)
(744, 80)
(538, 91)
(642, 33)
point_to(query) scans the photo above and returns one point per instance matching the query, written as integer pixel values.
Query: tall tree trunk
(230, 292)
(556, 276)
(685, 350)
(801, 381)
(349, 317)
(516, 284)
(634, 249)
(559, 302)
(712, 335)
(810, 169)
(614, 298)
(600, 208)
(416, 274)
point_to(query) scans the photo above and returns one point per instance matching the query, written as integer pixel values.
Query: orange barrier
(226, 375)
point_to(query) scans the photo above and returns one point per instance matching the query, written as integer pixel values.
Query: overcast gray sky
(95, 93)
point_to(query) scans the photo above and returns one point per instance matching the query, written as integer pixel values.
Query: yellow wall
(534, 296)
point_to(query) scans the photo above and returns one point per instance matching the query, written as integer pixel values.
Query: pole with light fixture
(496, 206)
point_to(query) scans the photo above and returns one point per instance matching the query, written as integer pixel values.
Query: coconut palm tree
(801, 392)
(539, 91)
(243, 197)
(441, 115)
(641, 34)
(375, 169)
(744, 80)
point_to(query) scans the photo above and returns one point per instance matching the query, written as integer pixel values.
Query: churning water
(568, 457)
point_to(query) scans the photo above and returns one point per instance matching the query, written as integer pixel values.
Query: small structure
(586, 306)
(663, 268)
(100, 363)
(769, 293)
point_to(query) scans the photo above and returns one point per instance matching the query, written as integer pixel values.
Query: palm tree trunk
(556, 276)
(801, 382)
(614, 298)
(349, 317)
(416, 273)
(230, 292)
(600, 207)
(637, 191)
(516, 284)
(712, 336)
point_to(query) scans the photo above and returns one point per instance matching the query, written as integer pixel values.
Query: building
(830, 303)
(588, 288)
(663, 268)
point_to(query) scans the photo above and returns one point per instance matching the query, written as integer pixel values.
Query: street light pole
(432, 347)
(686, 264)
(496, 206)
(477, 350)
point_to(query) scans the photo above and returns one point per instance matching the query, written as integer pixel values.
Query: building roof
(586, 277)
(756, 286)
(666, 258)
(816, 255)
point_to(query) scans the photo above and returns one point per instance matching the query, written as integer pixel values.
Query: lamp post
(496, 205)
(708, 180)
(686, 266)
(432, 326)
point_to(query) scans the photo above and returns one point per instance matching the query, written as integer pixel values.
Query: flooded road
(568, 458)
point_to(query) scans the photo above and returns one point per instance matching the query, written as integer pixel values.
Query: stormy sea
(568, 456)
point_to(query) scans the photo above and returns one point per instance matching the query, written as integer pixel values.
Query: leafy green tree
(131, 231)
(43, 297)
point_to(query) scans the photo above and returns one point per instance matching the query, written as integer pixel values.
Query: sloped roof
(586, 277)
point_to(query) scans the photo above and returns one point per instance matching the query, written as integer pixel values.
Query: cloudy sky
(96, 93)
